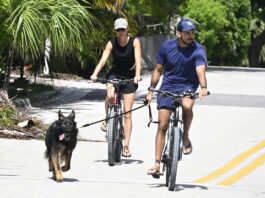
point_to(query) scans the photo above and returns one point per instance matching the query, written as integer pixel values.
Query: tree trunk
(8, 69)
(254, 49)
(22, 70)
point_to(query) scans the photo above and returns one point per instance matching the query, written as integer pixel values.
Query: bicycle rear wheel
(174, 151)
(112, 131)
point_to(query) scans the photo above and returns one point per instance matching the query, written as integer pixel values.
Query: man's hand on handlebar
(148, 98)
(203, 92)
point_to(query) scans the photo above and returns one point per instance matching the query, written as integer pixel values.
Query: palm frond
(65, 23)
(28, 26)
(69, 23)
(113, 5)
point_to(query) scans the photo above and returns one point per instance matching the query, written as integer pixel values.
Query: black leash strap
(151, 117)
(86, 125)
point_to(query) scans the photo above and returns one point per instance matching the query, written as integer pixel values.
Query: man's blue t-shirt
(180, 65)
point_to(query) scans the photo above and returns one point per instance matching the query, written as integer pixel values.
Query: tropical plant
(31, 22)
(4, 39)
(109, 10)
(211, 16)
(256, 51)
(153, 12)
(238, 15)
(113, 5)
(223, 28)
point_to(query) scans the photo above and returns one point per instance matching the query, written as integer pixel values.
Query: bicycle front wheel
(112, 131)
(118, 141)
(174, 151)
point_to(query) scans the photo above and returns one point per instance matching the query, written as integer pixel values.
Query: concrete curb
(25, 102)
(240, 69)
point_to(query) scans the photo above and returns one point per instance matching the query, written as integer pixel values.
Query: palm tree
(31, 22)
(114, 5)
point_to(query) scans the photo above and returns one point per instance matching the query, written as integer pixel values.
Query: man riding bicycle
(184, 63)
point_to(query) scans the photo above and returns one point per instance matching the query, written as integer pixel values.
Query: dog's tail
(47, 153)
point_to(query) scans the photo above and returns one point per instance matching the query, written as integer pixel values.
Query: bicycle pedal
(156, 175)
(164, 159)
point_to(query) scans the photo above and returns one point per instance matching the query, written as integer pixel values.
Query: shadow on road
(124, 161)
(180, 187)
(131, 161)
(66, 179)
(70, 180)
(8, 175)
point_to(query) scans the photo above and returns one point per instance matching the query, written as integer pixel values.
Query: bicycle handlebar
(176, 96)
(115, 81)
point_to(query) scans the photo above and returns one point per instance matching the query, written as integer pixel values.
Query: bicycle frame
(117, 107)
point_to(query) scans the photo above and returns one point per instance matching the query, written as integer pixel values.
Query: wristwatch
(204, 87)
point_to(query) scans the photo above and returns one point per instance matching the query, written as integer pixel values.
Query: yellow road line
(253, 165)
(230, 165)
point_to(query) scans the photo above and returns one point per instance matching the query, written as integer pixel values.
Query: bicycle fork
(174, 122)
(178, 122)
(165, 157)
(118, 108)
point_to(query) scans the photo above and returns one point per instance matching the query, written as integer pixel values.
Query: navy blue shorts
(124, 89)
(168, 102)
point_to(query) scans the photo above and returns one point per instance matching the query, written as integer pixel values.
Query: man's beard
(185, 41)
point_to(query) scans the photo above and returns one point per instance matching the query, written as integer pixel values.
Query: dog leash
(151, 117)
(86, 125)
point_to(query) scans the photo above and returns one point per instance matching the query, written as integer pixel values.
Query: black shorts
(124, 89)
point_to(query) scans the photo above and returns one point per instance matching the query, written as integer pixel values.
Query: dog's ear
(60, 115)
(72, 115)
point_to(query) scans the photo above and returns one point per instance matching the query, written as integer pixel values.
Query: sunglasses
(120, 30)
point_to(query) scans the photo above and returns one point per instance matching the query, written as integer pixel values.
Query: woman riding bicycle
(126, 51)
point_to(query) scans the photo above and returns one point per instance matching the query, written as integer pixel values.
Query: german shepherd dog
(60, 140)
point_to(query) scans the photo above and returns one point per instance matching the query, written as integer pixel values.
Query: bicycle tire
(167, 174)
(118, 148)
(111, 131)
(118, 142)
(174, 151)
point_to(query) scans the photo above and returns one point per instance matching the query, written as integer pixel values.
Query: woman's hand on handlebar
(93, 78)
(137, 79)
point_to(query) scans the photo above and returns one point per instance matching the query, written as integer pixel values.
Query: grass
(24, 89)
(9, 117)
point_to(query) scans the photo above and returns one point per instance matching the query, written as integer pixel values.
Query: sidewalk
(221, 80)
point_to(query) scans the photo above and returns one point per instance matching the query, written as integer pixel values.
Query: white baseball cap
(120, 23)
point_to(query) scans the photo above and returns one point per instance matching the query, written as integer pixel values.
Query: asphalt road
(227, 134)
